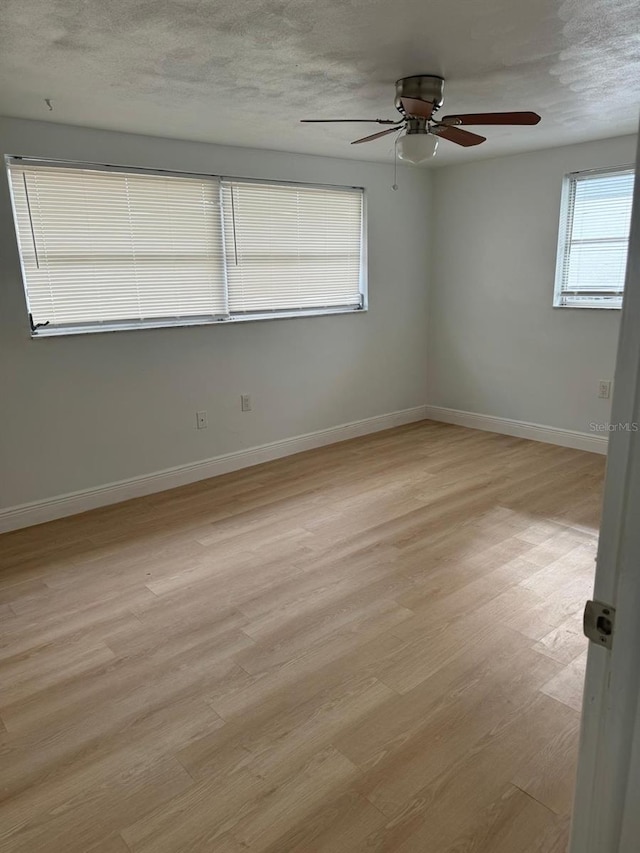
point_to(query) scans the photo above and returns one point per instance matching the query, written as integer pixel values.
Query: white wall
(81, 411)
(496, 345)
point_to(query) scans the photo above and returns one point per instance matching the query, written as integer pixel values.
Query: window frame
(208, 320)
(603, 300)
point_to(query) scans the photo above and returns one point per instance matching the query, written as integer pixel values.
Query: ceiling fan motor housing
(416, 125)
(423, 87)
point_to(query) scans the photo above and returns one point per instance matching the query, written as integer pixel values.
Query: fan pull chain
(394, 186)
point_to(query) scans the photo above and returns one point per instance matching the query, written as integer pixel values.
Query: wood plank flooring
(374, 646)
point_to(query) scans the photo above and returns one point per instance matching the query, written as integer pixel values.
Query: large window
(105, 248)
(593, 240)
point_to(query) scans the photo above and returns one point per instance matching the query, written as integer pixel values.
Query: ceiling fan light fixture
(417, 99)
(417, 147)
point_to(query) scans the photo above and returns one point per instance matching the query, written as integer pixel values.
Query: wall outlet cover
(604, 389)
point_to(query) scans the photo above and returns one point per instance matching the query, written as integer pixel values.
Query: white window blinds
(594, 236)
(108, 247)
(292, 248)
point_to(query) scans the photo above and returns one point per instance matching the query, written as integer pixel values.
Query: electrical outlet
(245, 402)
(201, 420)
(604, 389)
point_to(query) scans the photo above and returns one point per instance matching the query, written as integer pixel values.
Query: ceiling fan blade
(368, 120)
(415, 108)
(492, 118)
(376, 135)
(460, 137)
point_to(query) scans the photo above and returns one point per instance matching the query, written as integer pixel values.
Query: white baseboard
(521, 429)
(49, 509)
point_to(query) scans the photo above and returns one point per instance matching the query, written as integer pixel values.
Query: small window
(593, 240)
(104, 248)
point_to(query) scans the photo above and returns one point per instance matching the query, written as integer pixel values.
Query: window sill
(90, 329)
(592, 306)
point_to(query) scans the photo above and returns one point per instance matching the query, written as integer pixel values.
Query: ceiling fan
(417, 99)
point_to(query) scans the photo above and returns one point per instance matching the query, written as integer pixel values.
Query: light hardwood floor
(375, 646)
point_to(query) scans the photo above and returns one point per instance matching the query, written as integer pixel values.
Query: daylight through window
(106, 248)
(593, 241)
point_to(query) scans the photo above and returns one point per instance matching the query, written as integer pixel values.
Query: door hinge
(599, 623)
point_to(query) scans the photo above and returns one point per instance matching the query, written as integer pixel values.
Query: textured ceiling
(243, 72)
